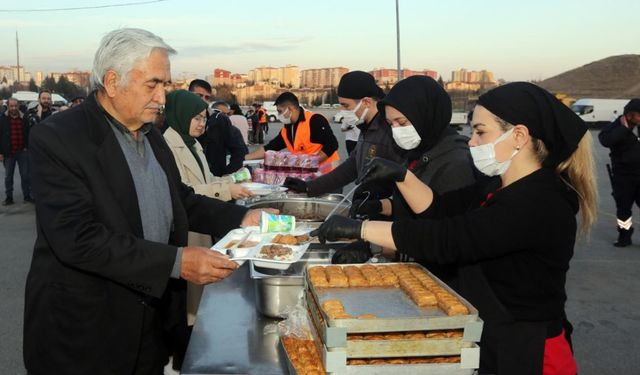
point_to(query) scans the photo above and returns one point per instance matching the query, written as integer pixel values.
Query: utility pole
(398, 39)
(18, 56)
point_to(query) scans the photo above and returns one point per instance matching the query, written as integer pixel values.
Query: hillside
(612, 77)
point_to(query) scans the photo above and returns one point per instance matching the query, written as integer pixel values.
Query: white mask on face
(284, 120)
(484, 157)
(406, 137)
(351, 119)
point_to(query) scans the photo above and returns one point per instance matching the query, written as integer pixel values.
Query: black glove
(367, 208)
(295, 184)
(354, 252)
(337, 228)
(379, 169)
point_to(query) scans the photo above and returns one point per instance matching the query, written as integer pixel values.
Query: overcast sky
(517, 40)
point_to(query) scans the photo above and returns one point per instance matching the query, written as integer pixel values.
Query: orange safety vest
(302, 143)
(262, 116)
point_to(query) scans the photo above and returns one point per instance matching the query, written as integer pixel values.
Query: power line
(79, 8)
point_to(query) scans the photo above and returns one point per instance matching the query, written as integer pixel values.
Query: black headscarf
(425, 104)
(547, 119)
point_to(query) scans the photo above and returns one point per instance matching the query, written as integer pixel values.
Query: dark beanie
(357, 85)
(632, 106)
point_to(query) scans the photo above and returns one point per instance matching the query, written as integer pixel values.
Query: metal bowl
(278, 290)
(305, 209)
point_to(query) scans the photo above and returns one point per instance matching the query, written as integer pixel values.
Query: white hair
(120, 50)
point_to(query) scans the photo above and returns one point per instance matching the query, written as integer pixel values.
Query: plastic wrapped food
(277, 223)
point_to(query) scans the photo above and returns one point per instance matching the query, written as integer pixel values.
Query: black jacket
(5, 133)
(375, 140)
(219, 140)
(91, 269)
(522, 239)
(624, 146)
(33, 118)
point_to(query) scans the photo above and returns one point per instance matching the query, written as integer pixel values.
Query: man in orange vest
(304, 132)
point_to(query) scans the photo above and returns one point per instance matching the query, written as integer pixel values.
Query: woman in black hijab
(418, 110)
(515, 232)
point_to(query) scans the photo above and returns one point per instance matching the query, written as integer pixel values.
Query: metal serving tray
(335, 339)
(394, 309)
(335, 362)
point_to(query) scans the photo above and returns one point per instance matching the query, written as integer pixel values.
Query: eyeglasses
(200, 118)
(203, 96)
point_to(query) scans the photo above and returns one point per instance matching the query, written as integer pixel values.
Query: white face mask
(284, 120)
(406, 137)
(351, 119)
(484, 157)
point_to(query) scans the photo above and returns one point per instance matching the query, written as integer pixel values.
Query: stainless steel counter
(228, 335)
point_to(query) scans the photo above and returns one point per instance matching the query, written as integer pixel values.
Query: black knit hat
(632, 106)
(358, 85)
(285, 97)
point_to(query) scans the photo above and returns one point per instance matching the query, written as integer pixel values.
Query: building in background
(386, 76)
(286, 76)
(322, 77)
(465, 80)
(38, 78)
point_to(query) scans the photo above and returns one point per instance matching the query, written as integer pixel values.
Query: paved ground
(603, 287)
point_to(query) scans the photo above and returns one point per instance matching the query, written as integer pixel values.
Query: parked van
(599, 112)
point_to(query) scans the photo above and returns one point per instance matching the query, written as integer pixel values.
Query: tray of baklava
(391, 297)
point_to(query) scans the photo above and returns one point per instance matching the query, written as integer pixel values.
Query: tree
(440, 81)
(223, 92)
(5, 93)
(49, 83)
(387, 88)
(32, 85)
(333, 96)
(317, 101)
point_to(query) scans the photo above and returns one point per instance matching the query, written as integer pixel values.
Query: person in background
(514, 231)
(239, 121)
(42, 110)
(76, 101)
(351, 134)
(358, 94)
(220, 139)
(14, 139)
(260, 123)
(304, 132)
(201, 88)
(186, 116)
(625, 167)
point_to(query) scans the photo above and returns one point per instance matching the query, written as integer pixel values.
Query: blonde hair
(579, 170)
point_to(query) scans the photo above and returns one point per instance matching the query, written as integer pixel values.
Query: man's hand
(239, 191)
(252, 217)
(338, 228)
(379, 169)
(295, 184)
(204, 266)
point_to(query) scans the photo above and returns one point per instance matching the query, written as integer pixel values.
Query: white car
(339, 116)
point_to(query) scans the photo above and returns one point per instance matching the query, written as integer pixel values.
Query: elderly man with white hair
(110, 261)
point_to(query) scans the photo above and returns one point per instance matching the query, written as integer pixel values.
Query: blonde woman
(186, 117)
(511, 234)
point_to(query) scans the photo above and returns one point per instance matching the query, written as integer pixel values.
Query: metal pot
(278, 290)
(305, 209)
